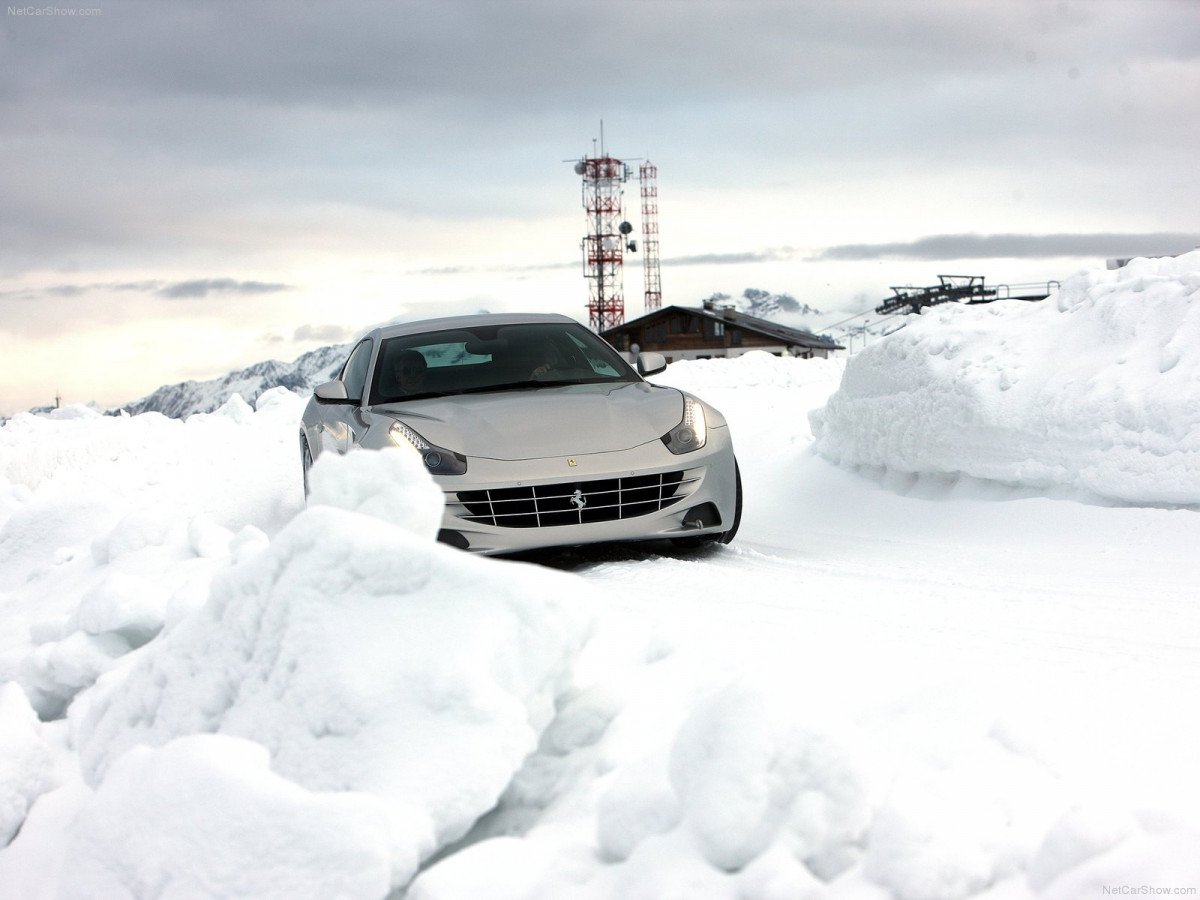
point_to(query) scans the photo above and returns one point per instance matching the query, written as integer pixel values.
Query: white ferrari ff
(539, 433)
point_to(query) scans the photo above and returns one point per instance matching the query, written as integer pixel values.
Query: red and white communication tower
(648, 178)
(604, 246)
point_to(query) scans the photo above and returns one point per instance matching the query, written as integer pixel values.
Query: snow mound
(25, 761)
(365, 659)
(1095, 390)
(204, 816)
(67, 479)
(111, 526)
(733, 793)
(391, 485)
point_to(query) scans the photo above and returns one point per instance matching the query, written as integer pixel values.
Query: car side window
(354, 373)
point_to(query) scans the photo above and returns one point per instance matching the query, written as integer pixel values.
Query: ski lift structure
(890, 315)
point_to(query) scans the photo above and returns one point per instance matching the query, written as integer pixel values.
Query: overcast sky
(189, 186)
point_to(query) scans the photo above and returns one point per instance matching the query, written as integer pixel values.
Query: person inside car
(409, 369)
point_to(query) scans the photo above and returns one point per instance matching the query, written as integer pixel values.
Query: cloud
(510, 270)
(69, 291)
(187, 290)
(237, 128)
(773, 254)
(329, 334)
(1016, 246)
(202, 287)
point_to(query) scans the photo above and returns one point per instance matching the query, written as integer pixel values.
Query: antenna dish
(580, 168)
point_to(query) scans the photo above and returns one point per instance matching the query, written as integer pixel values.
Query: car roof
(450, 322)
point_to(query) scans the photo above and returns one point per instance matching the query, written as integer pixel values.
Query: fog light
(703, 516)
(454, 538)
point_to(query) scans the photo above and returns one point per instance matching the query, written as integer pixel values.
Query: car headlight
(438, 460)
(691, 433)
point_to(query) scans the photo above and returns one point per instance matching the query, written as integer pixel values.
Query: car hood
(572, 420)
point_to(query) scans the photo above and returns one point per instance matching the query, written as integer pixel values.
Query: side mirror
(650, 363)
(331, 392)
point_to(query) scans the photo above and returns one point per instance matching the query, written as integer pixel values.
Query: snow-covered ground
(955, 651)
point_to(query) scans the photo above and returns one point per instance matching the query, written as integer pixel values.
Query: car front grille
(573, 502)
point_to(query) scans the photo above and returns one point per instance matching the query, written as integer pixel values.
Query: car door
(340, 422)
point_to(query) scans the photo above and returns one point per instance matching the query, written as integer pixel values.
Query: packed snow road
(1008, 589)
(940, 570)
(953, 564)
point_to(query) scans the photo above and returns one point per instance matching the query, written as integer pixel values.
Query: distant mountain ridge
(178, 401)
(189, 397)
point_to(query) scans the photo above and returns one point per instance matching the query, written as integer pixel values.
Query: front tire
(306, 462)
(729, 535)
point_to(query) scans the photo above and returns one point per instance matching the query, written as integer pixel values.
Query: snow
(954, 652)
(26, 763)
(1092, 392)
(186, 819)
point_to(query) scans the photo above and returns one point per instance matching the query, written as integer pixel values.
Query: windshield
(493, 358)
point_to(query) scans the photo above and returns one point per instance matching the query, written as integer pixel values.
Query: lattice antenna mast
(604, 246)
(651, 275)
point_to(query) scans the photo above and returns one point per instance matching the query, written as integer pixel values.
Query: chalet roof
(792, 336)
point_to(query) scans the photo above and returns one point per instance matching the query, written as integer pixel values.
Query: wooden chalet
(686, 332)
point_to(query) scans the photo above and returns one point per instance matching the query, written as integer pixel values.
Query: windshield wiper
(526, 385)
(515, 386)
(424, 395)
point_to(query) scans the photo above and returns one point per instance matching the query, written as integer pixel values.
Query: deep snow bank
(111, 527)
(26, 768)
(686, 789)
(1095, 389)
(361, 658)
(205, 817)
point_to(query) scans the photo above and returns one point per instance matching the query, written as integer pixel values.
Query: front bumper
(645, 493)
